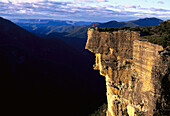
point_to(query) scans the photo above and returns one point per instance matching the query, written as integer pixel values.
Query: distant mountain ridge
(76, 35)
(32, 23)
(77, 29)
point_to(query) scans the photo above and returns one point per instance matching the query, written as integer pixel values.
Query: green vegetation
(101, 111)
(108, 29)
(159, 34)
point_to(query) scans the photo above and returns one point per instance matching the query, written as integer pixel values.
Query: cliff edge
(136, 72)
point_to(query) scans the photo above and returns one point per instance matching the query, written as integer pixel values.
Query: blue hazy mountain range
(75, 29)
(47, 22)
(74, 33)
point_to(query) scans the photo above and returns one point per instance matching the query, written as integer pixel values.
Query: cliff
(136, 73)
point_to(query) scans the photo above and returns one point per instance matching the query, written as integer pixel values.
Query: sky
(85, 10)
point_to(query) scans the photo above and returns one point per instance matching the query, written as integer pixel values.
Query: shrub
(101, 111)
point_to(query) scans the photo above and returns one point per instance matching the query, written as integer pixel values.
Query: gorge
(46, 76)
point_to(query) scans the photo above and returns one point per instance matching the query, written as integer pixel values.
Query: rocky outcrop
(136, 72)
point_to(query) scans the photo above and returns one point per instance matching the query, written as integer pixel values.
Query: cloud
(21, 1)
(160, 2)
(84, 0)
(58, 10)
(4, 1)
(131, 6)
(159, 10)
(75, 11)
(93, 1)
(102, 0)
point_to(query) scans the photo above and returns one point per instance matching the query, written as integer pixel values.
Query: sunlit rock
(136, 72)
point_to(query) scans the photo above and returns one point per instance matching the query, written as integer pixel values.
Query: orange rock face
(136, 72)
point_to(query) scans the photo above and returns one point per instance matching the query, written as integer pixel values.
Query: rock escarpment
(136, 72)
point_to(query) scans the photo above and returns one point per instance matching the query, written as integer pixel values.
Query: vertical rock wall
(134, 87)
(148, 69)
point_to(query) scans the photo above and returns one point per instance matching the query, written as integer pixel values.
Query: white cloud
(75, 10)
(101, 0)
(21, 11)
(5, 1)
(21, 1)
(131, 6)
(83, 0)
(91, 0)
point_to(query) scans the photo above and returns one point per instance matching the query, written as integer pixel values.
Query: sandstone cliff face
(136, 72)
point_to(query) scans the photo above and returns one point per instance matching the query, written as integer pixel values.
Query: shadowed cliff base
(45, 76)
